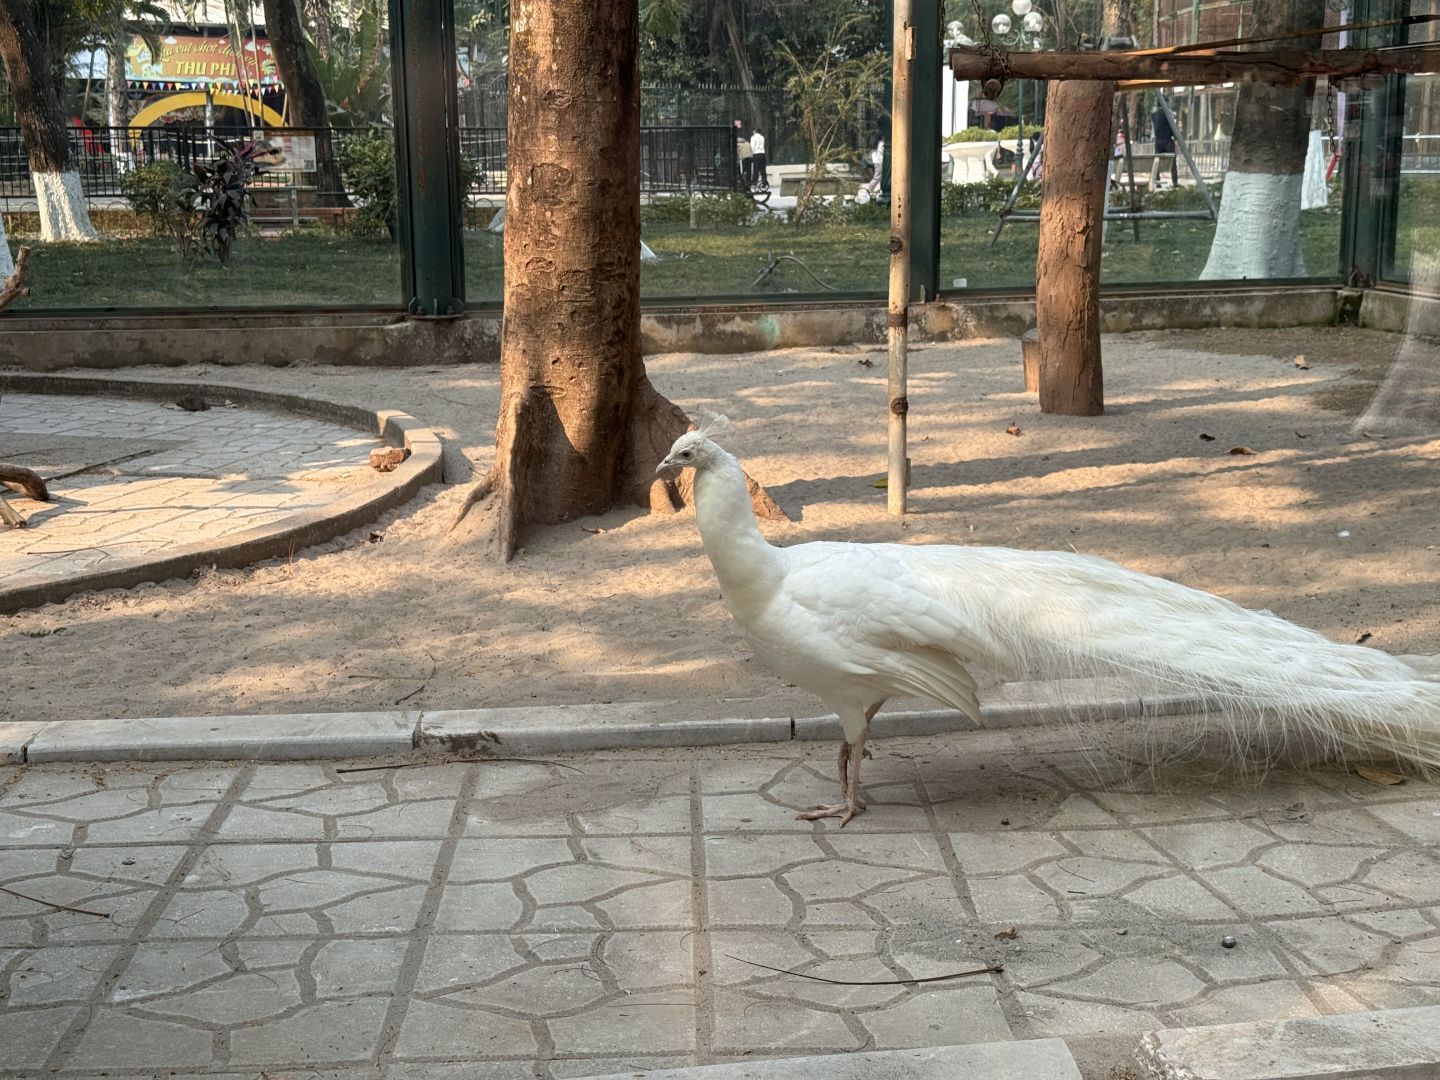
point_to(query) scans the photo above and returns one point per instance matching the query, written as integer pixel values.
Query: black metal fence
(672, 159)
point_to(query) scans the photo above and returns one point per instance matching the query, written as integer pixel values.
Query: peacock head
(694, 449)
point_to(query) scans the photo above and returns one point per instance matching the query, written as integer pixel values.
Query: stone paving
(138, 480)
(596, 913)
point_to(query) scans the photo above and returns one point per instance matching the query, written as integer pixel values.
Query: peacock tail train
(1259, 677)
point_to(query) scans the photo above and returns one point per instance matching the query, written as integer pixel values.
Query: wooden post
(897, 316)
(1067, 266)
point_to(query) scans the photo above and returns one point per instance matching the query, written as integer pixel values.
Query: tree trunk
(1258, 231)
(7, 264)
(1067, 266)
(117, 102)
(36, 96)
(580, 425)
(304, 96)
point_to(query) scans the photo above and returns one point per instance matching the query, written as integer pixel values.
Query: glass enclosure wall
(1179, 152)
(1412, 257)
(145, 146)
(804, 90)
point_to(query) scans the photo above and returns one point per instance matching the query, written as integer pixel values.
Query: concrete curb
(423, 467)
(1024, 1059)
(530, 730)
(541, 729)
(1394, 1043)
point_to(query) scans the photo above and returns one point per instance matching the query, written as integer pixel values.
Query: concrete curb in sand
(537, 729)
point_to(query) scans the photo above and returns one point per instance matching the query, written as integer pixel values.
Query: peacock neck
(746, 565)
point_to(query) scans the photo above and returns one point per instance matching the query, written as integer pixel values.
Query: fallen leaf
(1374, 435)
(1013, 429)
(1206, 438)
(594, 532)
(1301, 363)
(882, 483)
(1241, 450)
(1301, 435)
(1366, 636)
(376, 537)
(865, 361)
(1008, 934)
(1378, 776)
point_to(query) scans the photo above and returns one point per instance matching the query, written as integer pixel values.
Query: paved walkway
(596, 913)
(140, 482)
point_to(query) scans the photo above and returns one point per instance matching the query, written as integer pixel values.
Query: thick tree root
(26, 480)
(655, 423)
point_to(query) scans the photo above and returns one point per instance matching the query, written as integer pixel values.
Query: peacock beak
(664, 466)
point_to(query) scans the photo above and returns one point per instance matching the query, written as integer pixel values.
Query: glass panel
(1417, 232)
(317, 233)
(1171, 167)
(720, 224)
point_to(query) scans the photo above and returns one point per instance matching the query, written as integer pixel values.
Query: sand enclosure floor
(1323, 524)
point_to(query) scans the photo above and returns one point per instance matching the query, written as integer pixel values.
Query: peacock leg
(842, 769)
(851, 754)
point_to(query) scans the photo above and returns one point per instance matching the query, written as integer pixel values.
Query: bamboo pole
(902, 102)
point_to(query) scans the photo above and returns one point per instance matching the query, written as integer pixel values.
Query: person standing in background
(757, 159)
(1165, 142)
(743, 153)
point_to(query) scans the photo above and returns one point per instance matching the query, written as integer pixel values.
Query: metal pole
(427, 151)
(901, 108)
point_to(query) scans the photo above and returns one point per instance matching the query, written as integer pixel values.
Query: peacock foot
(844, 811)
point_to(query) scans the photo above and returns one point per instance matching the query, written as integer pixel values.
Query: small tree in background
(829, 94)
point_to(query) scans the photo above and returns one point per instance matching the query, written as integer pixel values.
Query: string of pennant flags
(266, 88)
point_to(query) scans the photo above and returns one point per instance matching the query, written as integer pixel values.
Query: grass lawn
(324, 270)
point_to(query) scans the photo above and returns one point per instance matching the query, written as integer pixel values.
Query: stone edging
(423, 467)
(535, 729)
(551, 729)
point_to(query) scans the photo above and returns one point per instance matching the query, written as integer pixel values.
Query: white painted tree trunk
(7, 264)
(63, 213)
(1258, 232)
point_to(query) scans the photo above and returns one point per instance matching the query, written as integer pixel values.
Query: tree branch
(14, 287)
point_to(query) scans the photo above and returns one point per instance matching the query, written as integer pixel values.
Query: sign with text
(194, 58)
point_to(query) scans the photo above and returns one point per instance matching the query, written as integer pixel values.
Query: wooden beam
(1192, 69)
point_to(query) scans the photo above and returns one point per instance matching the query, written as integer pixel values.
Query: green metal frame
(427, 156)
(925, 152)
(1374, 126)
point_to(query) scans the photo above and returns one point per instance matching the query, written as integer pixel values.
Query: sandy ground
(1323, 524)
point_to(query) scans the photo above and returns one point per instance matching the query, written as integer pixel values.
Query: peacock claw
(843, 811)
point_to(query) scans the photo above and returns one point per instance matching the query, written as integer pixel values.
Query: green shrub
(985, 197)
(368, 162)
(1008, 134)
(974, 134)
(369, 165)
(839, 211)
(719, 209)
(163, 196)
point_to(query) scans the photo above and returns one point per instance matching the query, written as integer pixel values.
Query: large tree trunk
(117, 102)
(1067, 266)
(1258, 232)
(580, 425)
(304, 96)
(36, 95)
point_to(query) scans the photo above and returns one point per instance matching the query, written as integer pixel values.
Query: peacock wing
(882, 622)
